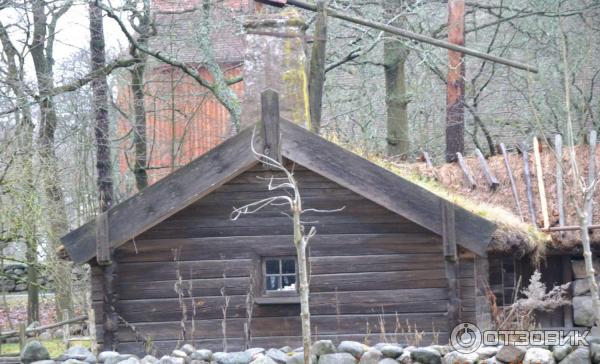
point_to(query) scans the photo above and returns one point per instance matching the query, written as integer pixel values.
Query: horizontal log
(167, 270)
(251, 247)
(166, 289)
(331, 303)
(177, 231)
(289, 326)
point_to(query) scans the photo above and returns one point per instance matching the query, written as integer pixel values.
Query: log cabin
(398, 263)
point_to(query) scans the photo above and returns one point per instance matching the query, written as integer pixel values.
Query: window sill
(290, 300)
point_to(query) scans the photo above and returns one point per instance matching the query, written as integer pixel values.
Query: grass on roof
(508, 224)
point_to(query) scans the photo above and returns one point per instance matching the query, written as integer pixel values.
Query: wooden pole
(570, 228)
(451, 264)
(316, 78)
(39, 329)
(591, 172)
(404, 33)
(22, 336)
(513, 184)
(270, 132)
(466, 171)
(455, 97)
(489, 177)
(540, 179)
(66, 329)
(527, 175)
(559, 180)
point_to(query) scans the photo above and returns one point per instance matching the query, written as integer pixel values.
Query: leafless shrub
(224, 309)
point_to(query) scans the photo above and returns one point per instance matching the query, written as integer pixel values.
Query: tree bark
(24, 135)
(455, 101)
(103, 166)
(396, 99)
(300, 244)
(41, 54)
(316, 79)
(139, 136)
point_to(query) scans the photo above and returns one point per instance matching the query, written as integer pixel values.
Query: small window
(280, 275)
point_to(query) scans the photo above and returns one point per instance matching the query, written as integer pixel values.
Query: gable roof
(223, 163)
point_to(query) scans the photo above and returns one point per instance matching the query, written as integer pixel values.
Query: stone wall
(13, 278)
(326, 352)
(580, 288)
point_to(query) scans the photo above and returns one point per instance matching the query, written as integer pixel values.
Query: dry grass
(512, 236)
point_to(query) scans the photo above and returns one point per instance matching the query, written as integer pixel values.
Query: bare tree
(586, 189)
(293, 202)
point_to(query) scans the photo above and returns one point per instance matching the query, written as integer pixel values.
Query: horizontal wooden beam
(569, 228)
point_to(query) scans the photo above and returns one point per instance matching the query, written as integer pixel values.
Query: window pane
(272, 283)
(289, 266)
(272, 266)
(288, 283)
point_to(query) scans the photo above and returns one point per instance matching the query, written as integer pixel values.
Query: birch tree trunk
(300, 244)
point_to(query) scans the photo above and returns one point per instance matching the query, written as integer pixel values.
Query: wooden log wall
(374, 273)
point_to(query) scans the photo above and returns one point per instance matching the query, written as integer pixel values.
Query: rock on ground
(583, 311)
(405, 357)
(454, 357)
(538, 356)
(238, 357)
(106, 354)
(179, 354)
(491, 360)
(353, 348)
(149, 359)
(337, 358)
(77, 353)
(204, 355)
(171, 360)
(132, 360)
(263, 359)
(578, 356)
(34, 351)
(323, 347)
(298, 358)
(119, 358)
(561, 351)
(511, 354)
(391, 351)
(388, 361)
(253, 352)
(426, 356)
(372, 356)
(188, 349)
(486, 352)
(595, 352)
(277, 355)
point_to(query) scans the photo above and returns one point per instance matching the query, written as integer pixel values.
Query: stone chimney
(275, 59)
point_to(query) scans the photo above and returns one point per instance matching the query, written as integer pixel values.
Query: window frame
(263, 282)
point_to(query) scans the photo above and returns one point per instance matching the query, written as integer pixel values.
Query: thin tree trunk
(103, 166)
(139, 136)
(300, 245)
(41, 54)
(455, 102)
(396, 99)
(316, 78)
